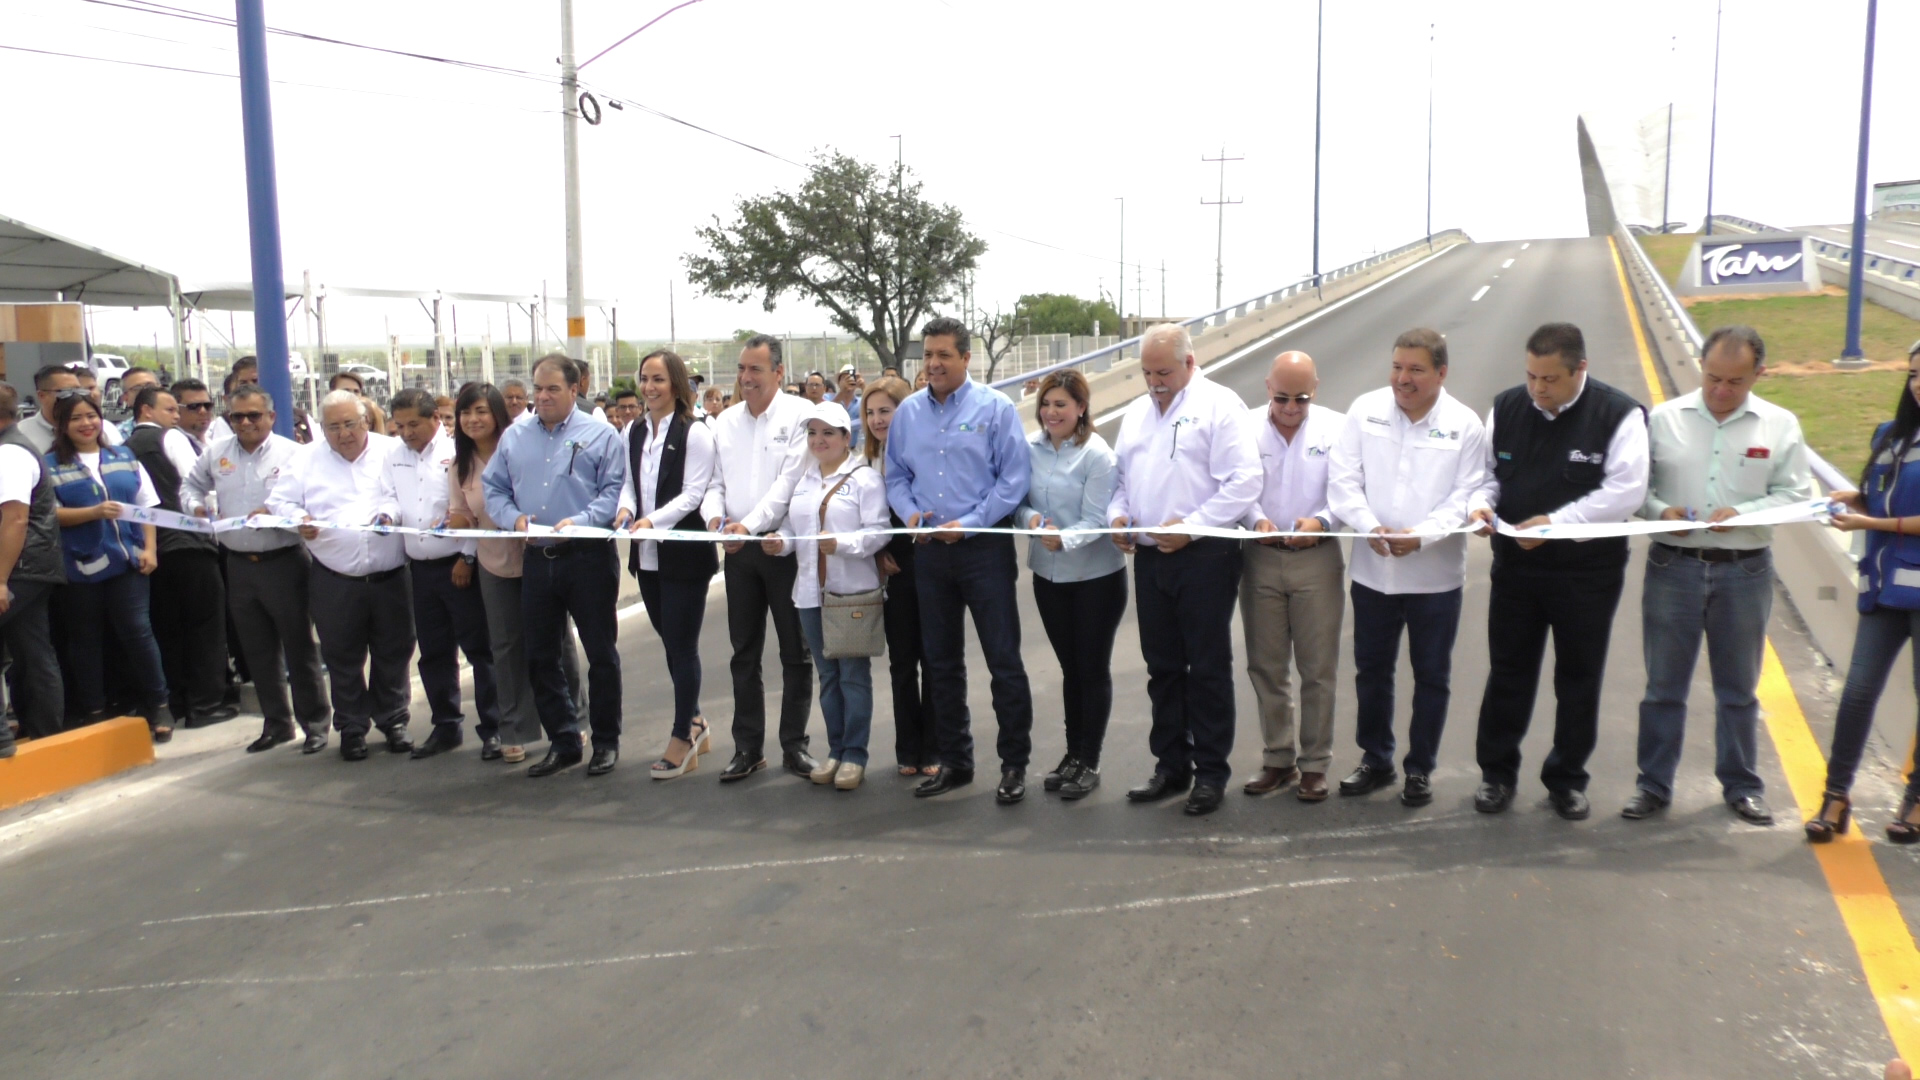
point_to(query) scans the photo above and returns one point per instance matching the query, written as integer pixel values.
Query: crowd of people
(802, 486)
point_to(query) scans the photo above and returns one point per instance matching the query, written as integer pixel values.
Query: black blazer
(680, 560)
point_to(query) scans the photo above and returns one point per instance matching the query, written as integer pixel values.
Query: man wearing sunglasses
(267, 571)
(196, 414)
(50, 384)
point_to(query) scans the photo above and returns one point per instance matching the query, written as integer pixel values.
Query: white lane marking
(1439, 821)
(1481, 293)
(1506, 264)
(1152, 902)
(1291, 327)
(1904, 244)
(1526, 245)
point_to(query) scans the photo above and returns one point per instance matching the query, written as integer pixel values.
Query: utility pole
(1220, 236)
(1319, 35)
(1122, 291)
(1139, 292)
(1666, 187)
(1850, 355)
(1163, 288)
(1713, 125)
(673, 329)
(570, 128)
(263, 212)
(1430, 136)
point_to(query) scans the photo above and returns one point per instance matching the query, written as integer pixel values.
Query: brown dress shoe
(1313, 787)
(1270, 780)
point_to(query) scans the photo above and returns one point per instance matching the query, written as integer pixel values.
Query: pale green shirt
(1753, 460)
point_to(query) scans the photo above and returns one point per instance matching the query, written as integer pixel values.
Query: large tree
(861, 244)
(995, 335)
(1057, 313)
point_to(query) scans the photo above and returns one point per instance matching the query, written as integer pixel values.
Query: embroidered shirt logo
(1581, 457)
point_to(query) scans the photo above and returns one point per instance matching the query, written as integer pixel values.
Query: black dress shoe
(490, 748)
(1753, 808)
(397, 741)
(1570, 804)
(1085, 779)
(445, 737)
(200, 718)
(1053, 780)
(1204, 800)
(948, 779)
(1419, 790)
(799, 762)
(353, 746)
(314, 744)
(742, 766)
(1644, 804)
(1492, 798)
(602, 761)
(557, 759)
(1013, 787)
(1159, 786)
(269, 740)
(1365, 779)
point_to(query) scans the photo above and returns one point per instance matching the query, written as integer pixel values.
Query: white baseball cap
(833, 414)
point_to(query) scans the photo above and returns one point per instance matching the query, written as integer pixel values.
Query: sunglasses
(72, 392)
(1290, 399)
(198, 406)
(245, 417)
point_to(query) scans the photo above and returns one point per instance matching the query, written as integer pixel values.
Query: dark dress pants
(190, 625)
(677, 608)
(1577, 609)
(447, 617)
(366, 639)
(117, 605)
(1185, 603)
(580, 578)
(977, 575)
(1082, 618)
(1432, 621)
(273, 623)
(916, 743)
(760, 585)
(35, 676)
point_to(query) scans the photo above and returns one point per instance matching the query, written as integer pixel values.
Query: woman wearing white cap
(839, 493)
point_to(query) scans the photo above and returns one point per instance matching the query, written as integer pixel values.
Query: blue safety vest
(98, 550)
(1890, 570)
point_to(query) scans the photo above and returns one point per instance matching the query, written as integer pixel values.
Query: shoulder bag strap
(821, 556)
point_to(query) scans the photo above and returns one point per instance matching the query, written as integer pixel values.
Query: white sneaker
(849, 776)
(824, 774)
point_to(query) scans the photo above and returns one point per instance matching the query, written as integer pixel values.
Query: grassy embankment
(1837, 409)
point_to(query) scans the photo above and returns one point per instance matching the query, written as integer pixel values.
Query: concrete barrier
(49, 766)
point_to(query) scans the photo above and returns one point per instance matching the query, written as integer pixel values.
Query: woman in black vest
(913, 736)
(669, 462)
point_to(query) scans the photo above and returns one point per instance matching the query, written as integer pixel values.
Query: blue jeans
(846, 694)
(1730, 603)
(973, 575)
(1877, 643)
(117, 605)
(1432, 621)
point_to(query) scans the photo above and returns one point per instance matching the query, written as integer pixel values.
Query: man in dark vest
(1567, 449)
(189, 596)
(30, 567)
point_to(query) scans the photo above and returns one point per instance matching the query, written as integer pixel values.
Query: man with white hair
(359, 592)
(1185, 457)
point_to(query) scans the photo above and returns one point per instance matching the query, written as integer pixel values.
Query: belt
(567, 547)
(1713, 554)
(264, 556)
(443, 561)
(374, 578)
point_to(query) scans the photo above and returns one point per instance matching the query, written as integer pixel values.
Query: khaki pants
(1291, 604)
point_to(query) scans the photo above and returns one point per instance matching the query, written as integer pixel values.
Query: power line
(630, 37)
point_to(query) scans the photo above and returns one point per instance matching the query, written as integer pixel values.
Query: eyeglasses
(72, 392)
(245, 417)
(197, 406)
(1291, 399)
(343, 428)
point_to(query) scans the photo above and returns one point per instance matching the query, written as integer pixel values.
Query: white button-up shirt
(1195, 461)
(1753, 460)
(321, 484)
(229, 482)
(757, 459)
(1294, 474)
(859, 506)
(1623, 481)
(1404, 474)
(638, 497)
(414, 492)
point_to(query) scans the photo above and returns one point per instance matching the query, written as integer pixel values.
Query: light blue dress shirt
(575, 470)
(1070, 489)
(962, 460)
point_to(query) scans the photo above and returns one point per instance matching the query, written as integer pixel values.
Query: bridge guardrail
(1885, 265)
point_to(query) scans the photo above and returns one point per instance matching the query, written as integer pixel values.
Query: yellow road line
(1639, 332)
(1879, 931)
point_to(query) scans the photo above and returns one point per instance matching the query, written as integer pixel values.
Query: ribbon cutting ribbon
(1811, 510)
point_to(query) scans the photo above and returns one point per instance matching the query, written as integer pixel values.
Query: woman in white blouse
(669, 463)
(839, 493)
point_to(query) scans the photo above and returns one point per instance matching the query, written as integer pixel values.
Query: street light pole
(1429, 136)
(1713, 125)
(1851, 355)
(263, 213)
(1319, 36)
(1666, 187)
(570, 127)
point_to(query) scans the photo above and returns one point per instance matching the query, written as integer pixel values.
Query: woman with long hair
(1887, 508)
(107, 562)
(481, 413)
(1079, 582)
(670, 459)
(914, 748)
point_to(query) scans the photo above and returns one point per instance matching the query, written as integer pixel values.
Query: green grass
(1838, 411)
(1669, 253)
(1811, 329)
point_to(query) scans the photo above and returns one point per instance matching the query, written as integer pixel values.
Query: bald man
(1291, 596)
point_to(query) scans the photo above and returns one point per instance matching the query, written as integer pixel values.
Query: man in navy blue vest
(1566, 449)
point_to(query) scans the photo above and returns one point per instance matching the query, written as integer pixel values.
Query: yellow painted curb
(45, 767)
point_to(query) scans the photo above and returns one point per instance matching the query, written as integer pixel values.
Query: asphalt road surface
(300, 916)
(1893, 239)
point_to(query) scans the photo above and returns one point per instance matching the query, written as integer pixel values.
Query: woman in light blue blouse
(1079, 582)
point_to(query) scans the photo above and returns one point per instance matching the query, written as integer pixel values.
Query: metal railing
(1885, 265)
(1103, 358)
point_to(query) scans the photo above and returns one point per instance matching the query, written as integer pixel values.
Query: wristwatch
(469, 559)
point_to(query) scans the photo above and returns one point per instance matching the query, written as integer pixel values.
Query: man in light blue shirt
(565, 468)
(957, 459)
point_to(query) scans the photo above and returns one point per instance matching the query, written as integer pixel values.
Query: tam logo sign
(1751, 263)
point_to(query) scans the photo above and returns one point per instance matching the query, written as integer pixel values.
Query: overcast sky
(1031, 116)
